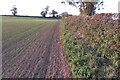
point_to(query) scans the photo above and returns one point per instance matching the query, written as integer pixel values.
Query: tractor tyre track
(41, 57)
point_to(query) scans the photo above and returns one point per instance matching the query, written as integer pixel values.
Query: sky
(34, 7)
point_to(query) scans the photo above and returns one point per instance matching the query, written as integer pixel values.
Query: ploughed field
(31, 48)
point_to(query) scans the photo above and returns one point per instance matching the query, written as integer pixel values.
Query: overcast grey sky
(34, 7)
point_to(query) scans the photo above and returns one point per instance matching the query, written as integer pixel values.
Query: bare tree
(54, 13)
(87, 7)
(14, 10)
(45, 10)
(64, 14)
(44, 13)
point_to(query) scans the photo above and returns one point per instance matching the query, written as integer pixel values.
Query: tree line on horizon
(44, 12)
(86, 7)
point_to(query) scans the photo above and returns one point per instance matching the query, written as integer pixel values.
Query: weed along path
(32, 49)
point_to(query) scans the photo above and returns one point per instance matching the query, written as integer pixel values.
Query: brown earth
(39, 55)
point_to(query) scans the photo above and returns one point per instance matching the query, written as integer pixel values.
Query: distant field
(15, 29)
(27, 45)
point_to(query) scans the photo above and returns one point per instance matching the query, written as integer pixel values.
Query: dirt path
(39, 55)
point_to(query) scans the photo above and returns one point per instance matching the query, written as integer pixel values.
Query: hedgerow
(92, 45)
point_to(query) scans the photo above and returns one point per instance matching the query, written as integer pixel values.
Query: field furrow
(32, 49)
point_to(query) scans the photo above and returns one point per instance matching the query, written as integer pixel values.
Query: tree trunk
(53, 15)
(87, 8)
(44, 15)
(13, 13)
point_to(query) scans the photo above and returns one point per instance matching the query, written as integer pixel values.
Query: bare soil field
(32, 49)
